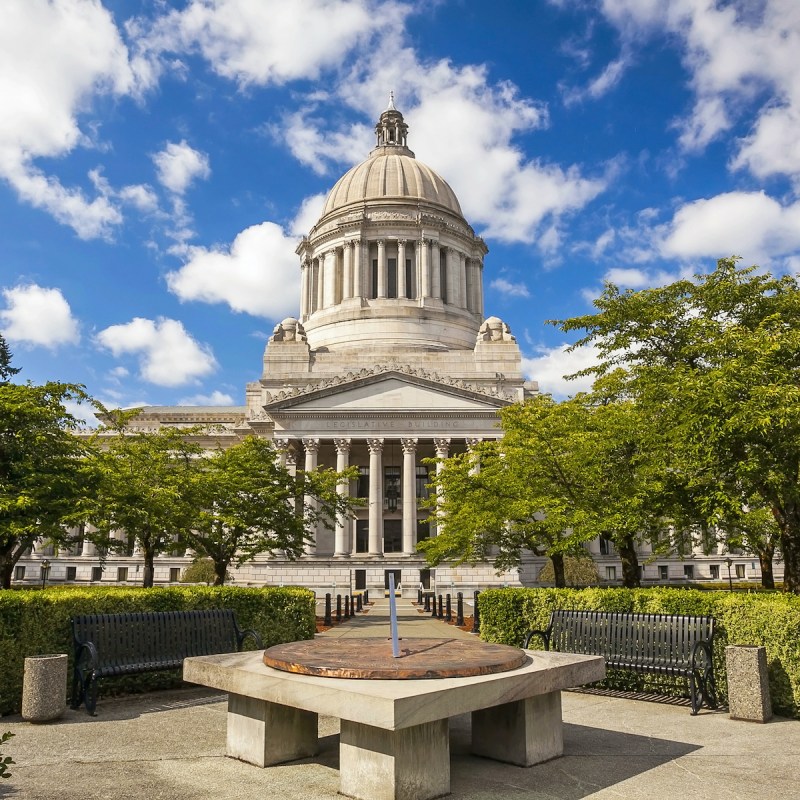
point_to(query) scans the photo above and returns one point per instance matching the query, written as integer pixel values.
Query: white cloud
(742, 59)
(750, 224)
(259, 273)
(168, 354)
(553, 363)
(83, 413)
(38, 316)
(55, 58)
(177, 165)
(511, 289)
(308, 215)
(271, 41)
(216, 398)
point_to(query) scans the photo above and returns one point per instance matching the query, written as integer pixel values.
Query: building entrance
(386, 574)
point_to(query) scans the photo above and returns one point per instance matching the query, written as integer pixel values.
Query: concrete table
(394, 741)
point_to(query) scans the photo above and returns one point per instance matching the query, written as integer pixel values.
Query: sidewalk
(171, 745)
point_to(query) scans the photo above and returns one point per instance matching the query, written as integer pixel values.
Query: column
(409, 495)
(89, 548)
(424, 270)
(479, 288)
(381, 289)
(310, 504)
(358, 268)
(461, 269)
(401, 268)
(452, 286)
(442, 447)
(304, 289)
(347, 283)
(375, 496)
(472, 443)
(436, 271)
(281, 446)
(343, 490)
(320, 275)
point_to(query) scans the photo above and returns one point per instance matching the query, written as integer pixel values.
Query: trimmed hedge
(35, 622)
(768, 619)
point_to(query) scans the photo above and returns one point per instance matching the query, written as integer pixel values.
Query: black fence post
(440, 615)
(338, 608)
(366, 597)
(433, 604)
(419, 597)
(427, 600)
(326, 620)
(359, 602)
(460, 608)
(448, 611)
(476, 618)
(347, 606)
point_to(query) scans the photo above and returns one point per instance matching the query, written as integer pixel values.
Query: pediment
(389, 392)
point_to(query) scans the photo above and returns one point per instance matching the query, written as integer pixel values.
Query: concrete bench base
(394, 741)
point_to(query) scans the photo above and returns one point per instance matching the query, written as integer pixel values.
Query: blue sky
(160, 160)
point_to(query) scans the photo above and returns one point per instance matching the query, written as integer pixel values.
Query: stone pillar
(304, 288)
(452, 277)
(461, 280)
(748, 683)
(319, 273)
(281, 446)
(442, 446)
(436, 270)
(472, 443)
(409, 495)
(424, 270)
(479, 287)
(381, 288)
(358, 267)
(329, 279)
(312, 448)
(343, 490)
(347, 270)
(401, 268)
(375, 496)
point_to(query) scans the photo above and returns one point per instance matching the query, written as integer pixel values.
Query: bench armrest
(254, 635)
(93, 655)
(545, 636)
(703, 645)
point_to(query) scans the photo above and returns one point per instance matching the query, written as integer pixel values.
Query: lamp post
(728, 562)
(45, 567)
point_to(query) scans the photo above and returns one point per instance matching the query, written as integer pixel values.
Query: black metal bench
(663, 644)
(109, 645)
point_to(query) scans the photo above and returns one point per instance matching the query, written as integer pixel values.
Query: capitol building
(389, 362)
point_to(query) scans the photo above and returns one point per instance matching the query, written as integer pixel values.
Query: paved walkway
(170, 746)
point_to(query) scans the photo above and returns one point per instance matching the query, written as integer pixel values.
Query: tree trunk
(149, 569)
(790, 547)
(559, 576)
(6, 571)
(626, 548)
(220, 572)
(765, 557)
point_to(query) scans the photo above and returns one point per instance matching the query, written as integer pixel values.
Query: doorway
(397, 573)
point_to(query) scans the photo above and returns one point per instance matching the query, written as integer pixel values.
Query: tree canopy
(712, 365)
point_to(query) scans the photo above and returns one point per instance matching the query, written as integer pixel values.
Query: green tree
(712, 363)
(578, 571)
(251, 504)
(201, 570)
(6, 370)
(42, 467)
(5, 761)
(146, 487)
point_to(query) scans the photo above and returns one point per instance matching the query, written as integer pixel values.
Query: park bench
(663, 644)
(110, 645)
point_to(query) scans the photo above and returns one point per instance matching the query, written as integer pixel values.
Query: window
(443, 274)
(72, 573)
(374, 293)
(392, 536)
(362, 482)
(122, 574)
(174, 574)
(606, 548)
(423, 529)
(391, 277)
(19, 573)
(361, 580)
(97, 573)
(611, 573)
(740, 571)
(391, 486)
(688, 572)
(362, 536)
(422, 482)
(714, 570)
(663, 573)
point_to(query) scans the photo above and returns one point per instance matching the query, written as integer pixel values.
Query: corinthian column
(436, 270)
(381, 288)
(424, 270)
(375, 496)
(442, 447)
(343, 490)
(347, 282)
(401, 268)
(312, 448)
(409, 495)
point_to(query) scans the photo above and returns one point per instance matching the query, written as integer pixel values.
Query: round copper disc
(372, 658)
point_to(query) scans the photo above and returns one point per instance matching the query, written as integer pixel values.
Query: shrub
(5, 760)
(768, 619)
(578, 571)
(34, 622)
(201, 570)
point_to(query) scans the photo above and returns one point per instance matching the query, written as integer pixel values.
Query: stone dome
(391, 173)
